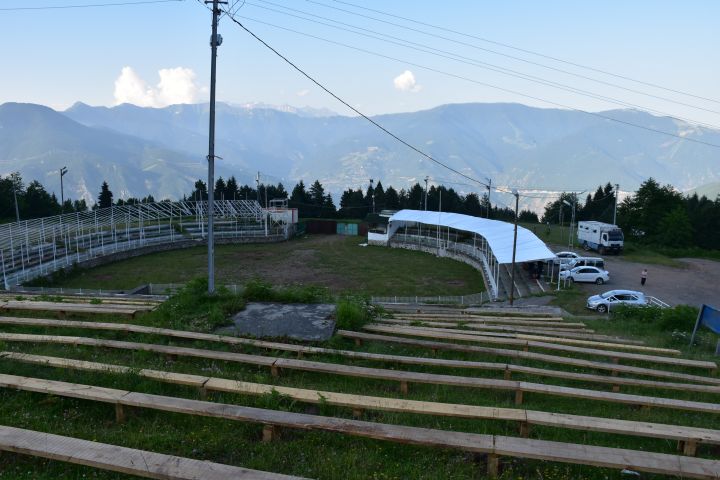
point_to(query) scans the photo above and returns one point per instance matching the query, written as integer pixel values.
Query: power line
(88, 5)
(512, 47)
(460, 77)
(485, 65)
(329, 92)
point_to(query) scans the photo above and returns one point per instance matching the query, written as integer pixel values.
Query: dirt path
(696, 282)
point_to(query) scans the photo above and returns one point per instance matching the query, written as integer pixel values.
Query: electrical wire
(523, 50)
(487, 66)
(460, 77)
(89, 5)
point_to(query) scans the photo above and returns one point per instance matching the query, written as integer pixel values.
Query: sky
(158, 54)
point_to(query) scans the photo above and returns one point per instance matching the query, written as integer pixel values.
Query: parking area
(696, 282)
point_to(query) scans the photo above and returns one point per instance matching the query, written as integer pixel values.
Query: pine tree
(105, 199)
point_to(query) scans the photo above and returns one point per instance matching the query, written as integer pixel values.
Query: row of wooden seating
(403, 377)
(689, 436)
(121, 459)
(359, 337)
(539, 336)
(530, 322)
(62, 308)
(493, 445)
(550, 331)
(91, 299)
(507, 368)
(527, 344)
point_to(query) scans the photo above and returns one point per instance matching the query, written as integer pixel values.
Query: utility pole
(426, 190)
(15, 179)
(63, 171)
(512, 272)
(617, 192)
(489, 188)
(215, 41)
(257, 186)
(373, 195)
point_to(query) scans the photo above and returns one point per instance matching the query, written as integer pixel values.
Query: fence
(34, 248)
(472, 299)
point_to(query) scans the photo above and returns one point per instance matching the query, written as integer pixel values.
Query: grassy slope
(334, 262)
(312, 454)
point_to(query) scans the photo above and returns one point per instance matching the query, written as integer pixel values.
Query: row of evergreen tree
(654, 214)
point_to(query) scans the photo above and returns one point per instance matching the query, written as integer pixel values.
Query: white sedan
(565, 257)
(585, 274)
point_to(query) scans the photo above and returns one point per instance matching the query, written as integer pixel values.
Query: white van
(584, 262)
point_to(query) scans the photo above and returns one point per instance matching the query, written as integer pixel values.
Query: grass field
(335, 262)
(325, 456)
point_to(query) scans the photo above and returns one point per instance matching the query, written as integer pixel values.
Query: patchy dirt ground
(697, 281)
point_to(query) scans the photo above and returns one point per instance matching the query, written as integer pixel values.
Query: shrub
(353, 312)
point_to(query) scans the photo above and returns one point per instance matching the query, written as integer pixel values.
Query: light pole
(373, 195)
(489, 188)
(617, 192)
(15, 180)
(215, 41)
(572, 220)
(426, 188)
(63, 171)
(512, 271)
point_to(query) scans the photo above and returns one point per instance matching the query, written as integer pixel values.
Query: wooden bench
(121, 459)
(494, 445)
(538, 337)
(63, 308)
(689, 436)
(404, 378)
(507, 368)
(496, 321)
(519, 354)
(526, 344)
(550, 331)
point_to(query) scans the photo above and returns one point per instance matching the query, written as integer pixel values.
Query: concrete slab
(310, 322)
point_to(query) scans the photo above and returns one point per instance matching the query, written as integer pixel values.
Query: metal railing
(471, 299)
(33, 248)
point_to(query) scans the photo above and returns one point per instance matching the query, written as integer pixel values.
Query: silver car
(585, 274)
(603, 302)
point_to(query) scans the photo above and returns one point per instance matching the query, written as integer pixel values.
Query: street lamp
(489, 187)
(512, 272)
(63, 171)
(373, 195)
(426, 190)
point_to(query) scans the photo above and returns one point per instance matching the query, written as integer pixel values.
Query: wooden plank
(121, 459)
(364, 402)
(541, 357)
(510, 446)
(391, 358)
(544, 345)
(66, 307)
(685, 467)
(545, 338)
(491, 326)
(496, 321)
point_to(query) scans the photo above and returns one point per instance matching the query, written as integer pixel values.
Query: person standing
(643, 277)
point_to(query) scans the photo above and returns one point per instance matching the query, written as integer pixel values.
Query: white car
(603, 302)
(565, 257)
(585, 274)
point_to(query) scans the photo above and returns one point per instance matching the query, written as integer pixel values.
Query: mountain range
(142, 151)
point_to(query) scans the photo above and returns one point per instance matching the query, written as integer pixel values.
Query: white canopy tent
(499, 235)
(491, 246)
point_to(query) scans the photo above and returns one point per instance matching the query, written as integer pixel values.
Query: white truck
(602, 237)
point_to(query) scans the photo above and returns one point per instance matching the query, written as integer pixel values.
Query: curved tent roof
(499, 235)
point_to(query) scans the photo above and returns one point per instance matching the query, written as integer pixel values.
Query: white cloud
(303, 92)
(405, 82)
(177, 85)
